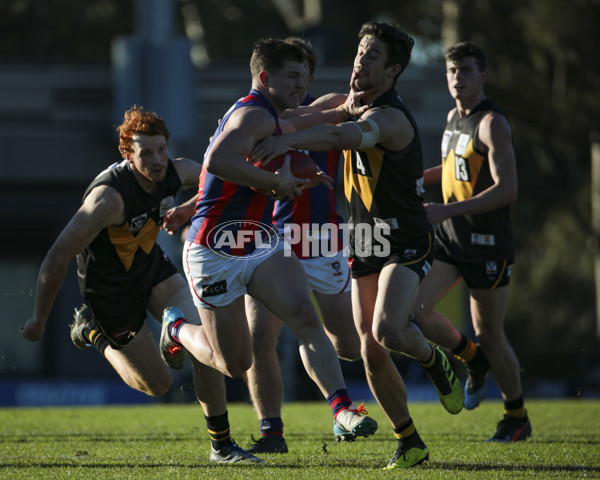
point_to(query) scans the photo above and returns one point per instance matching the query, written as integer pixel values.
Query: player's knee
(374, 356)
(387, 336)
(348, 356)
(159, 389)
(263, 343)
(304, 318)
(237, 367)
(305, 309)
(348, 350)
(419, 310)
(489, 339)
(154, 387)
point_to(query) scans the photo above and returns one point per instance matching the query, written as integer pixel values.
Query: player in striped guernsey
(328, 277)
(232, 248)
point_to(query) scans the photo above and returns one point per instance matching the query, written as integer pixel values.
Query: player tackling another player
(219, 275)
(383, 170)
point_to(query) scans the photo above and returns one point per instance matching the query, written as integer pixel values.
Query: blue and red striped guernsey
(316, 206)
(226, 204)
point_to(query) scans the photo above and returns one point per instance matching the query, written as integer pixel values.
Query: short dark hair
(269, 54)
(310, 54)
(457, 52)
(399, 44)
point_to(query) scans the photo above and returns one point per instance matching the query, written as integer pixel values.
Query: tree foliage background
(544, 73)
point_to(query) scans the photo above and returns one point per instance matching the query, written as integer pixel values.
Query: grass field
(169, 441)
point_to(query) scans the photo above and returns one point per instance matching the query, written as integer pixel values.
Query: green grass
(171, 442)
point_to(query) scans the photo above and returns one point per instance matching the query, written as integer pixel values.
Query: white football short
(328, 275)
(216, 280)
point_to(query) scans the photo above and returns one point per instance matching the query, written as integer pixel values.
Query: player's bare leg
(229, 336)
(488, 309)
(336, 313)
(440, 281)
(383, 377)
(288, 298)
(265, 370)
(263, 378)
(280, 284)
(139, 364)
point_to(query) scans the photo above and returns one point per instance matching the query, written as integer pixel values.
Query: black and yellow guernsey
(466, 173)
(384, 186)
(122, 261)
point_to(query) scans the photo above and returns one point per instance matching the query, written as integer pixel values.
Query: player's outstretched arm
(387, 126)
(328, 101)
(332, 112)
(102, 207)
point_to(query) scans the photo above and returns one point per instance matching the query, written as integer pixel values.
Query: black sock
(405, 430)
(407, 435)
(462, 346)
(271, 426)
(218, 429)
(96, 338)
(434, 368)
(515, 408)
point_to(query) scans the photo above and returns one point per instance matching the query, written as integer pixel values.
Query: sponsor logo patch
(461, 145)
(445, 141)
(410, 253)
(483, 239)
(165, 204)
(426, 267)
(136, 224)
(214, 289)
(491, 268)
(391, 222)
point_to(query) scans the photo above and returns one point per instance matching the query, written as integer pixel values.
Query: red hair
(138, 122)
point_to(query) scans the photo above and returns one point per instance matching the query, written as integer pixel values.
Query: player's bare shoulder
(188, 171)
(494, 129)
(105, 204)
(395, 129)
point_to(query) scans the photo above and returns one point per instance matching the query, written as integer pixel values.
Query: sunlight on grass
(171, 441)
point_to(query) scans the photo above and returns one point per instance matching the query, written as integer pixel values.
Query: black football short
(485, 275)
(416, 255)
(121, 317)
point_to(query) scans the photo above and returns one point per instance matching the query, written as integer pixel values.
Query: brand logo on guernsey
(136, 224)
(214, 289)
(243, 239)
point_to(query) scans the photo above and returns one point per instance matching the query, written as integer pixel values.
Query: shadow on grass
(434, 466)
(481, 467)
